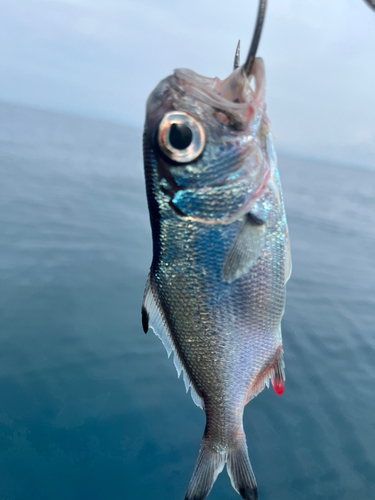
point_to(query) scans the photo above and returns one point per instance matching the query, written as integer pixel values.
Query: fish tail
(240, 472)
(208, 467)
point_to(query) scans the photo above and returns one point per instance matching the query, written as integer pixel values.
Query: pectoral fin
(245, 249)
(288, 257)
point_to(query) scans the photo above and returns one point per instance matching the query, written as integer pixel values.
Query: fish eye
(181, 137)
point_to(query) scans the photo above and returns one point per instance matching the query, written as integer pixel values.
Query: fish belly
(226, 334)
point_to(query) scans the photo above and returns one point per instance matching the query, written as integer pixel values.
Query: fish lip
(244, 110)
(244, 104)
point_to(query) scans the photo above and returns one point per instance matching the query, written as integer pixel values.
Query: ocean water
(90, 407)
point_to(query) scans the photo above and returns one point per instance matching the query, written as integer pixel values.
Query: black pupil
(180, 136)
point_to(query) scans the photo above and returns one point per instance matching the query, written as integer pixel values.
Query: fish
(215, 293)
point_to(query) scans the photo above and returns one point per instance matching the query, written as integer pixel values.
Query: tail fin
(210, 464)
(240, 472)
(208, 467)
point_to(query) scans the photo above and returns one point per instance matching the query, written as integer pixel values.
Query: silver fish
(221, 258)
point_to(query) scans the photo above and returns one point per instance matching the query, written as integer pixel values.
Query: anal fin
(274, 372)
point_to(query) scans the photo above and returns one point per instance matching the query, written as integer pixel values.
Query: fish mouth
(233, 99)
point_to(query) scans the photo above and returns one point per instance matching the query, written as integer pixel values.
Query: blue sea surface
(91, 407)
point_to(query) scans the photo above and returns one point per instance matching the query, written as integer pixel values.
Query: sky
(102, 58)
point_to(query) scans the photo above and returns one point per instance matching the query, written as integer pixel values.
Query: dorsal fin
(152, 317)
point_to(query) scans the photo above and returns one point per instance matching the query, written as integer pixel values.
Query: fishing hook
(248, 66)
(237, 56)
(371, 3)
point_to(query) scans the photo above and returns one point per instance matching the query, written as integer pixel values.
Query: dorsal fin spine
(158, 324)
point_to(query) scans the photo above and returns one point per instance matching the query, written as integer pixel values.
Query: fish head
(207, 140)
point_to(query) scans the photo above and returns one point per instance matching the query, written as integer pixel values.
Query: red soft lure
(278, 386)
